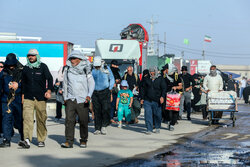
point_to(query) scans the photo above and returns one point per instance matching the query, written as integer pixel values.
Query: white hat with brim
(97, 61)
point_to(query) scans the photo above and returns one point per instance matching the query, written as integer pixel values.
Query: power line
(213, 52)
(209, 55)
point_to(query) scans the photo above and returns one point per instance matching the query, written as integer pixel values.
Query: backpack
(136, 77)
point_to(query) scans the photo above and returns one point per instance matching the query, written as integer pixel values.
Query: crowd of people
(98, 89)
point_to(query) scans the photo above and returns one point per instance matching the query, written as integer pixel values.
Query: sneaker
(57, 119)
(103, 131)
(171, 127)
(5, 143)
(41, 144)
(188, 118)
(83, 144)
(97, 132)
(157, 131)
(24, 143)
(120, 125)
(148, 132)
(66, 145)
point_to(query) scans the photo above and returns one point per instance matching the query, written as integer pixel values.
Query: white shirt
(243, 83)
(213, 83)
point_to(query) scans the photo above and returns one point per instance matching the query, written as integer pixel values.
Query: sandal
(113, 121)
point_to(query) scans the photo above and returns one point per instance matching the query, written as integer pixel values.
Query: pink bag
(173, 101)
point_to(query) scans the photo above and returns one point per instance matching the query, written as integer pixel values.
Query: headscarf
(154, 69)
(35, 64)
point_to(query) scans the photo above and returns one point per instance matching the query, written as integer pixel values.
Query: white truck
(126, 52)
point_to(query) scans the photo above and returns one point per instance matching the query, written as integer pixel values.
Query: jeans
(12, 118)
(152, 109)
(187, 102)
(58, 110)
(181, 105)
(241, 92)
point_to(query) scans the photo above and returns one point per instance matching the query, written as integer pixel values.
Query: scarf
(116, 72)
(213, 73)
(79, 69)
(35, 64)
(155, 69)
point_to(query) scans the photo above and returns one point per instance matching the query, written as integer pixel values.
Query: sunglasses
(30, 55)
(1, 66)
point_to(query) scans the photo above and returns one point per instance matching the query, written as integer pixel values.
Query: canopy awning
(233, 74)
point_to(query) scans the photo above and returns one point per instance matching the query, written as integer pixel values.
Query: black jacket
(153, 90)
(176, 81)
(133, 80)
(36, 81)
(188, 80)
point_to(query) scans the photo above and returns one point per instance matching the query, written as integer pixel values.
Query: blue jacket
(4, 86)
(104, 78)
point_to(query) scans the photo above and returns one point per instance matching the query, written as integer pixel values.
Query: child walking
(123, 103)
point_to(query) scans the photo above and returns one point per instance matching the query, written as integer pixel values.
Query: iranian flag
(207, 38)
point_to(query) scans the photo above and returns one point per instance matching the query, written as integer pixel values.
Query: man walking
(78, 86)
(187, 87)
(173, 82)
(133, 82)
(102, 97)
(153, 93)
(37, 84)
(11, 99)
(243, 83)
(213, 82)
(231, 85)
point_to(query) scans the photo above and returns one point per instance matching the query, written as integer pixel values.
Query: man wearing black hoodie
(134, 83)
(153, 92)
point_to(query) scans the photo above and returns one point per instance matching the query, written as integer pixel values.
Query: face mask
(213, 72)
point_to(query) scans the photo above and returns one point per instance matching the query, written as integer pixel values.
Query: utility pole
(182, 54)
(152, 41)
(203, 54)
(165, 42)
(158, 46)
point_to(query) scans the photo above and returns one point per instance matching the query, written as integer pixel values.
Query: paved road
(219, 145)
(118, 145)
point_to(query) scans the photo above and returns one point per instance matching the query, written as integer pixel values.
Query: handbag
(173, 101)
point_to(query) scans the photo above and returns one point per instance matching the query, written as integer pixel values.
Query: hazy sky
(82, 22)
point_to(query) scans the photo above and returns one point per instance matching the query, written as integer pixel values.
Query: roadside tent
(233, 74)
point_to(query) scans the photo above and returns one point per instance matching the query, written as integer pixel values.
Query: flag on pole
(207, 38)
(186, 41)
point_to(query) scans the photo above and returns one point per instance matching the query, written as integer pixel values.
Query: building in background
(52, 53)
(242, 70)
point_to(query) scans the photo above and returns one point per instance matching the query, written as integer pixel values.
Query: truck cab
(126, 52)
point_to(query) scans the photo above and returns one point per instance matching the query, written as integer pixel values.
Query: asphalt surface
(219, 145)
(128, 143)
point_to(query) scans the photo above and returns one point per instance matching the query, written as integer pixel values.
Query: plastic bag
(173, 101)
